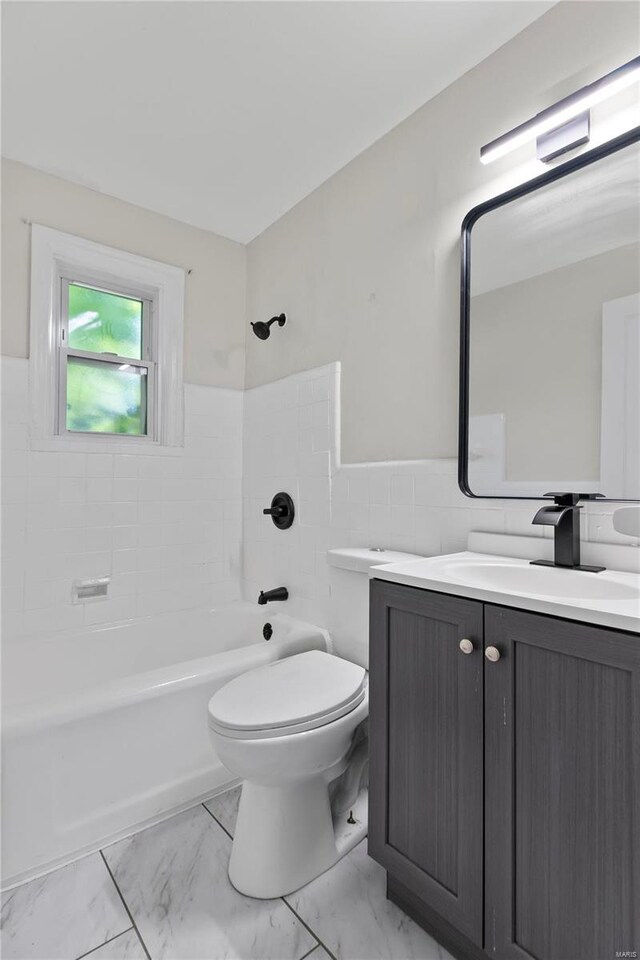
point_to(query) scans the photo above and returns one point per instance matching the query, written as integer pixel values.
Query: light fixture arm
(562, 113)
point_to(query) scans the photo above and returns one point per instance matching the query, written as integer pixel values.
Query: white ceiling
(225, 114)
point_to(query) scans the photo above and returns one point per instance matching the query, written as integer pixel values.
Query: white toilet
(295, 732)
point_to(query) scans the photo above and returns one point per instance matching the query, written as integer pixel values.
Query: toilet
(295, 732)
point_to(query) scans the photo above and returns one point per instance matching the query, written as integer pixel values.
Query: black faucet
(564, 516)
(278, 593)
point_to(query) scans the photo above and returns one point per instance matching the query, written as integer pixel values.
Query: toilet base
(285, 836)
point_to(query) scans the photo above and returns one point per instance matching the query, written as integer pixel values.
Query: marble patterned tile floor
(164, 894)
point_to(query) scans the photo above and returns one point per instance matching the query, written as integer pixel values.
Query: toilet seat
(298, 693)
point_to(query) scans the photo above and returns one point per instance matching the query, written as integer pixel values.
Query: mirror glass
(554, 337)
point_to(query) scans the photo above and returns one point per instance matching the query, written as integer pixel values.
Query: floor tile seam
(125, 905)
(309, 929)
(105, 942)
(215, 819)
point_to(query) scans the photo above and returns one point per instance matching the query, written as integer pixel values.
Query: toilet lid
(301, 692)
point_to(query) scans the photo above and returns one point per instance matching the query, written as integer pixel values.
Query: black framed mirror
(550, 332)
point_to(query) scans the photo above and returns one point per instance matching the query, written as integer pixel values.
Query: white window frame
(58, 258)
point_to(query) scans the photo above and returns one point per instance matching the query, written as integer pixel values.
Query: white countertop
(609, 599)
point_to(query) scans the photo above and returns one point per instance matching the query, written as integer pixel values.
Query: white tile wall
(176, 532)
(291, 442)
(167, 529)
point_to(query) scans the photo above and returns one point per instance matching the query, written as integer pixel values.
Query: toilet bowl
(288, 730)
(295, 731)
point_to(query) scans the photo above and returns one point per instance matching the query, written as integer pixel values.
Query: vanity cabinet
(505, 776)
(425, 819)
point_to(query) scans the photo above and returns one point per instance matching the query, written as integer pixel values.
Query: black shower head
(262, 330)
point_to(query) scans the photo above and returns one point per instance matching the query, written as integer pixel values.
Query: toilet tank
(348, 620)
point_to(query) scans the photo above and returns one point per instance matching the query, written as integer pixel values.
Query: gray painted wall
(367, 266)
(214, 291)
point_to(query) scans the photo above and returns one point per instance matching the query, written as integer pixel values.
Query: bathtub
(105, 730)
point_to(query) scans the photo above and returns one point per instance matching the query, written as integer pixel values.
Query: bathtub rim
(27, 716)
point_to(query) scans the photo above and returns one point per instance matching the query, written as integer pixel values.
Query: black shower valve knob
(278, 511)
(281, 511)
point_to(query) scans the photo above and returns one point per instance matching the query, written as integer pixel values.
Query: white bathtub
(105, 730)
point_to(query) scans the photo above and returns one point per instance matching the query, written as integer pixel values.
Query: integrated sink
(542, 581)
(610, 598)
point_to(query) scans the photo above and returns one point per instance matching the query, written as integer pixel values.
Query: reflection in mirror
(554, 337)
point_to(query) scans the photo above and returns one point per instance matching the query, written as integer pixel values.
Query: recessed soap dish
(86, 591)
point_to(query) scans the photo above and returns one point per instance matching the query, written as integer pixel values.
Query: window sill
(132, 445)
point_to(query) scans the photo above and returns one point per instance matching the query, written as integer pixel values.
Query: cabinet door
(425, 809)
(562, 796)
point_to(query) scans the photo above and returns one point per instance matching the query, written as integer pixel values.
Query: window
(106, 329)
(106, 366)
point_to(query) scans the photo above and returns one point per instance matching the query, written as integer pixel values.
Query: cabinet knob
(466, 645)
(492, 654)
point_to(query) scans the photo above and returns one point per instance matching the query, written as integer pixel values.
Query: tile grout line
(110, 940)
(308, 928)
(308, 954)
(215, 819)
(319, 942)
(125, 905)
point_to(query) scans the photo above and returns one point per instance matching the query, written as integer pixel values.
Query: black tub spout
(278, 593)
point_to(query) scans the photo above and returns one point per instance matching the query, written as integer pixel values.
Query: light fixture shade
(563, 111)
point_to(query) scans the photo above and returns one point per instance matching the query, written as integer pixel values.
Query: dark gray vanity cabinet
(425, 716)
(505, 792)
(562, 789)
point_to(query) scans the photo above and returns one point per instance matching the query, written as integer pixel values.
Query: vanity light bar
(563, 111)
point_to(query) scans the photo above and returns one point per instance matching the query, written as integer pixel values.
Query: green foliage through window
(101, 322)
(104, 398)
(105, 395)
